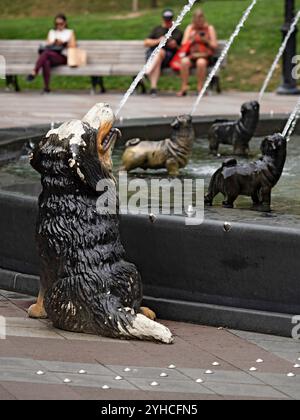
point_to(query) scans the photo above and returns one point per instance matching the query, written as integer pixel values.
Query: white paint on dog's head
(72, 128)
(99, 114)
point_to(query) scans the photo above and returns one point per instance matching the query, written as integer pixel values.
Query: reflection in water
(20, 177)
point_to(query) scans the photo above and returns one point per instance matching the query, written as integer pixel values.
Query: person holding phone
(52, 54)
(203, 42)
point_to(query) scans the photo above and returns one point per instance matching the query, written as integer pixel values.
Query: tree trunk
(135, 5)
(154, 3)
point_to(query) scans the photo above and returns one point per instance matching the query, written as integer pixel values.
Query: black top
(160, 31)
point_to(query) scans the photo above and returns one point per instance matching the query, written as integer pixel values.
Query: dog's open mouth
(109, 141)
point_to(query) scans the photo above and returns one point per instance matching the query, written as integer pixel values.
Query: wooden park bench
(105, 58)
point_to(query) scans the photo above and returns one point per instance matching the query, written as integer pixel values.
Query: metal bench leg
(216, 83)
(98, 81)
(12, 80)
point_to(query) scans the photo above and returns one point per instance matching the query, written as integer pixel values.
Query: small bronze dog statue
(86, 284)
(255, 180)
(172, 154)
(238, 133)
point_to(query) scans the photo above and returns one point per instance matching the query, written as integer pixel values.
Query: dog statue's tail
(101, 314)
(144, 328)
(126, 322)
(132, 142)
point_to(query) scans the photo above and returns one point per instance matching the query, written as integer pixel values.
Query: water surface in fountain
(18, 176)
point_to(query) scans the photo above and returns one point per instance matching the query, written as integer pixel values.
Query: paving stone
(88, 337)
(113, 394)
(148, 373)
(221, 376)
(33, 332)
(15, 375)
(96, 381)
(252, 336)
(291, 391)
(25, 322)
(288, 356)
(40, 391)
(278, 380)
(5, 395)
(171, 385)
(68, 367)
(245, 390)
(278, 346)
(19, 364)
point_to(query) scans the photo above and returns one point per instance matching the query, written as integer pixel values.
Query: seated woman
(52, 54)
(203, 43)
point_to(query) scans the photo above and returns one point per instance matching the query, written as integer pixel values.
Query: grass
(248, 60)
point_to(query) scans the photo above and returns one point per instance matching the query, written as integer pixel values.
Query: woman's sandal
(182, 93)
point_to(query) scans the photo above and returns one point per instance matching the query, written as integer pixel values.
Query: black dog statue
(87, 285)
(255, 180)
(238, 133)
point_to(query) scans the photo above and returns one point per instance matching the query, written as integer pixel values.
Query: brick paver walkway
(243, 365)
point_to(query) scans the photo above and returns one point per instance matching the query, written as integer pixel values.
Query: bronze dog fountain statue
(255, 180)
(172, 154)
(87, 285)
(237, 133)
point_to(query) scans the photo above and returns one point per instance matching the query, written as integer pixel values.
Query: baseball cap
(168, 14)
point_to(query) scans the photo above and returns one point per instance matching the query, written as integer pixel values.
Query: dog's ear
(35, 157)
(244, 109)
(175, 124)
(265, 146)
(189, 119)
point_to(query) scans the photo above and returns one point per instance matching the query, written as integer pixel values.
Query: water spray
(292, 121)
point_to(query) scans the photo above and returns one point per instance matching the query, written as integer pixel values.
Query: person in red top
(203, 43)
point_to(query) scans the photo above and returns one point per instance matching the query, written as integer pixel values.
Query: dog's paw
(37, 311)
(227, 205)
(148, 313)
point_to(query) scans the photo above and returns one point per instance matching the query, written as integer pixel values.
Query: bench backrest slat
(124, 53)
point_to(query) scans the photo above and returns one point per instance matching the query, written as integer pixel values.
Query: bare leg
(185, 74)
(201, 72)
(155, 70)
(37, 310)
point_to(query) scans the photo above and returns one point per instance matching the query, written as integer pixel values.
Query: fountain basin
(246, 278)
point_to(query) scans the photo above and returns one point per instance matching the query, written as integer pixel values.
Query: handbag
(77, 57)
(56, 48)
(183, 52)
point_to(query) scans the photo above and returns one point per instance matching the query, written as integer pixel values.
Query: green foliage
(249, 59)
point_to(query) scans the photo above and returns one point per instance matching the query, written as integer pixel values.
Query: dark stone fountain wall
(247, 278)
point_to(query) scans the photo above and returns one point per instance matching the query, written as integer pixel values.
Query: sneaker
(153, 93)
(46, 92)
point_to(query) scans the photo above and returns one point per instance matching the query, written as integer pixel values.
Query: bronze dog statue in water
(238, 133)
(172, 154)
(87, 285)
(254, 179)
